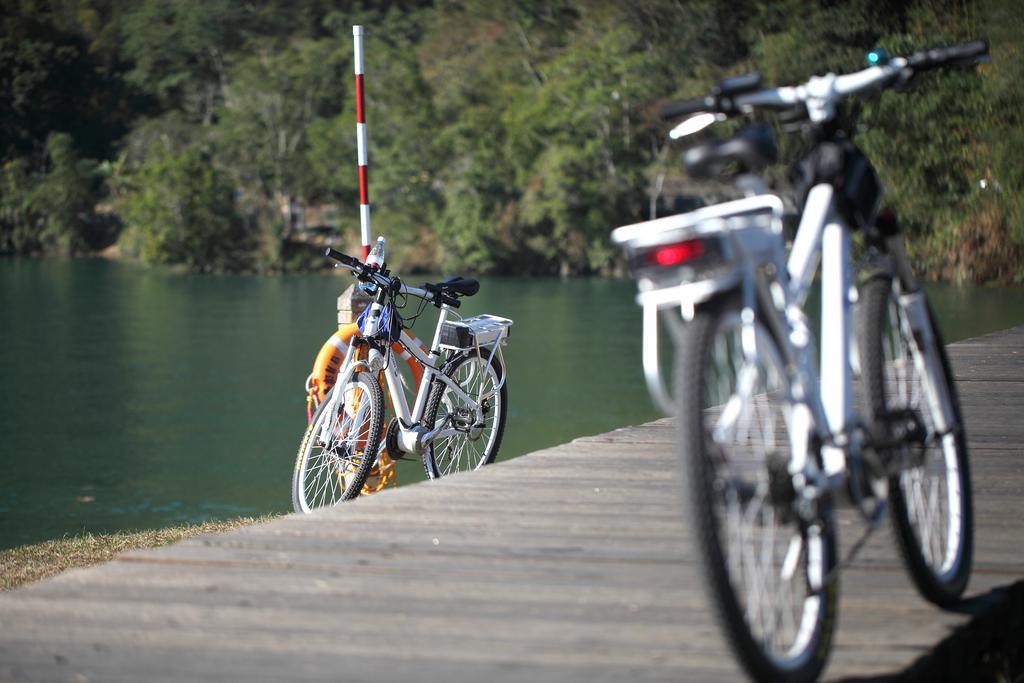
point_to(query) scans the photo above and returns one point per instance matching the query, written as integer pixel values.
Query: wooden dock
(569, 564)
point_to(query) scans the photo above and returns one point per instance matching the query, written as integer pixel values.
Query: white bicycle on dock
(769, 447)
(458, 418)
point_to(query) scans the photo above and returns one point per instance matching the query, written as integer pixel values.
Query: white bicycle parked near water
(769, 447)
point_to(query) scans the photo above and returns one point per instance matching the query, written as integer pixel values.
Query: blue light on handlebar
(878, 57)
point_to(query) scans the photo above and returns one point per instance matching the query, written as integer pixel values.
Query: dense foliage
(505, 136)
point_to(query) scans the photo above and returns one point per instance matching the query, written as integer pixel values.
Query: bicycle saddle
(459, 286)
(751, 149)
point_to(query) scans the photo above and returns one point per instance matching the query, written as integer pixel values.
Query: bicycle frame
(830, 399)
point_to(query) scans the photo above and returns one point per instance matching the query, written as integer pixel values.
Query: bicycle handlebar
(345, 259)
(821, 92)
(365, 273)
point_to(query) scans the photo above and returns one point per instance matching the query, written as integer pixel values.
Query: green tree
(50, 210)
(552, 156)
(180, 209)
(274, 96)
(505, 136)
(64, 196)
(181, 50)
(18, 228)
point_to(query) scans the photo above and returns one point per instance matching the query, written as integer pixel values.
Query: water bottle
(376, 257)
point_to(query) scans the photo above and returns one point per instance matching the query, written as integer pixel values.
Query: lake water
(135, 397)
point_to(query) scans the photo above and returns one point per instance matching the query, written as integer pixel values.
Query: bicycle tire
(721, 501)
(470, 448)
(338, 470)
(892, 382)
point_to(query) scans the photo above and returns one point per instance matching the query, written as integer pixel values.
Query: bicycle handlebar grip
(674, 110)
(941, 56)
(343, 258)
(967, 51)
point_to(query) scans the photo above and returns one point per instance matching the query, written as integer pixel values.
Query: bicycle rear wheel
(769, 572)
(471, 444)
(930, 498)
(340, 445)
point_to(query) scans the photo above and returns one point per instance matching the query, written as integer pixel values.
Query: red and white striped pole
(364, 188)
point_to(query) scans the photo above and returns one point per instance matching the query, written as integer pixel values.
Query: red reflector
(674, 254)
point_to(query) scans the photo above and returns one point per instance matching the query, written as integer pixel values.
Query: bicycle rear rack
(733, 232)
(475, 333)
(472, 333)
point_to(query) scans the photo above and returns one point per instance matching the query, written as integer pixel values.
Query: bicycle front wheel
(340, 445)
(769, 570)
(931, 496)
(470, 440)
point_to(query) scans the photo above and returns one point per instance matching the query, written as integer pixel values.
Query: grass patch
(38, 561)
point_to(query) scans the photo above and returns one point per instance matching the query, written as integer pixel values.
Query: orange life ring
(332, 353)
(325, 374)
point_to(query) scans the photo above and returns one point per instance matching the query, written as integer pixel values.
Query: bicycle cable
(411, 320)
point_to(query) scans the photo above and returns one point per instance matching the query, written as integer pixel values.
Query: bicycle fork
(351, 367)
